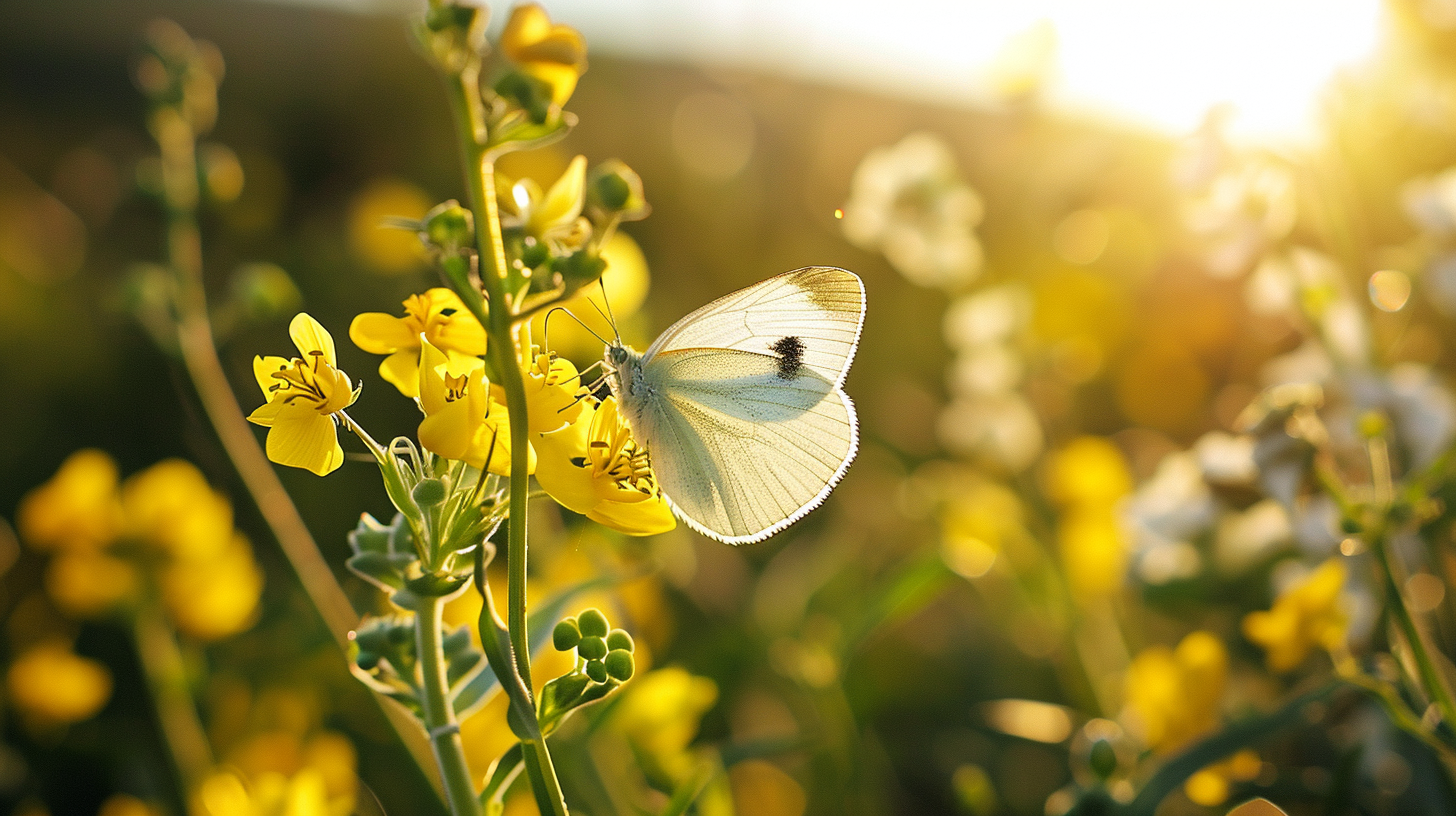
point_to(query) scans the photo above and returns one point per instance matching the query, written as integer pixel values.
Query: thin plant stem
(166, 676)
(439, 714)
(1431, 681)
(198, 348)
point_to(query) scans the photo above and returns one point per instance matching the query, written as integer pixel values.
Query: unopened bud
(619, 639)
(592, 648)
(429, 492)
(593, 623)
(565, 636)
(597, 671)
(619, 664)
(449, 226)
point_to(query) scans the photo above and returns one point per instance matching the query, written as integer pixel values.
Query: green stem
(166, 676)
(439, 714)
(1435, 686)
(499, 321)
(490, 249)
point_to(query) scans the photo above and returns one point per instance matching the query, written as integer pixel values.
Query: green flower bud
(534, 254)
(614, 189)
(428, 492)
(592, 648)
(366, 660)
(264, 291)
(449, 226)
(565, 636)
(530, 94)
(1349, 526)
(597, 671)
(619, 639)
(620, 664)
(1373, 424)
(593, 623)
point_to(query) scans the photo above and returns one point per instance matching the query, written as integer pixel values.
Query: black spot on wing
(790, 351)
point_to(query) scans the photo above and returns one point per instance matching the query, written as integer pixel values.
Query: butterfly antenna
(546, 325)
(610, 317)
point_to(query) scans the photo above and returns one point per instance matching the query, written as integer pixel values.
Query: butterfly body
(741, 403)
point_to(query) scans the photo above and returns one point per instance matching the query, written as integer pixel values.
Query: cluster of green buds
(383, 654)
(603, 663)
(427, 551)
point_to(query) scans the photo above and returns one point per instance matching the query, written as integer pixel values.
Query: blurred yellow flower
(89, 583)
(1173, 695)
(1210, 786)
(439, 315)
(552, 53)
(1088, 471)
(77, 508)
(385, 248)
(1310, 614)
(595, 467)
(271, 794)
(975, 526)
(1094, 551)
(122, 804)
(763, 789)
(550, 216)
(462, 421)
(303, 396)
(52, 685)
(171, 506)
(216, 595)
(660, 714)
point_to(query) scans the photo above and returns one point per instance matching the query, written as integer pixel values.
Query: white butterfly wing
(740, 450)
(820, 305)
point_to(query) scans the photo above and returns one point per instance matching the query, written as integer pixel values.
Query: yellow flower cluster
(552, 53)
(1172, 695)
(581, 450)
(189, 555)
(1088, 479)
(1310, 614)
(51, 685)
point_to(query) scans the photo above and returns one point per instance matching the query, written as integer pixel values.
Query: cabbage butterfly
(741, 404)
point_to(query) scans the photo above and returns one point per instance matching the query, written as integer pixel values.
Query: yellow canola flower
(303, 396)
(55, 686)
(1094, 551)
(1308, 615)
(77, 508)
(595, 467)
(554, 394)
(171, 506)
(660, 715)
(462, 420)
(553, 215)
(550, 52)
(438, 315)
(1173, 695)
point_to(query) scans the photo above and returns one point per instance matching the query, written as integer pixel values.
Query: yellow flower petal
(562, 204)
(380, 333)
(263, 368)
(310, 336)
(303, 438)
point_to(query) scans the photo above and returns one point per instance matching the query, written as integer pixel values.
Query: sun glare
(1156, 63)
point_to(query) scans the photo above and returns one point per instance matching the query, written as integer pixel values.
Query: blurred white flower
(909, 202)
(1174, 505)
(1002, 429)
(1168, 561)
(1244, 538)
(1241, 213)
(1430, 201)
(1307, 364)
(1272, 288)
(1226, 459)
(989, 316)
(985, 371)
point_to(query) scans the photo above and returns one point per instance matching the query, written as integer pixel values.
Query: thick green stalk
(500, 325)
(439, 715)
